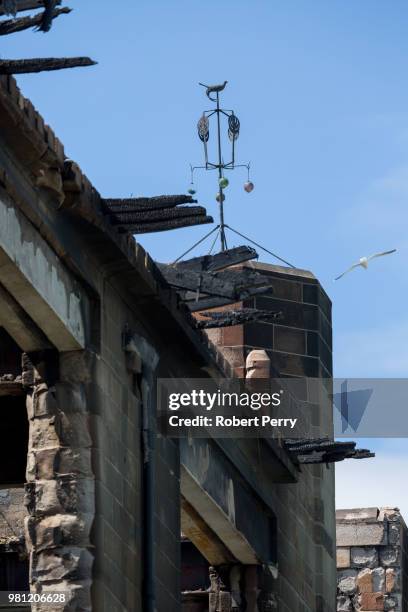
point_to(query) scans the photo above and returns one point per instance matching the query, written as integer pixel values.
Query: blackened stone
(290, 340)
(310, 293)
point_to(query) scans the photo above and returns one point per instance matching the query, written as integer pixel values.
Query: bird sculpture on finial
(213, 89)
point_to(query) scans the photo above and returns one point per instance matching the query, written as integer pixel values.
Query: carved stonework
(220, 598)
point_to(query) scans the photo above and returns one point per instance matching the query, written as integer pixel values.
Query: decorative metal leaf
(203, 127)
(233, 127)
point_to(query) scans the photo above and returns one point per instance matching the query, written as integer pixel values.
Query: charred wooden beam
(152, 216)
(322, 457)
(228, 318)
(211, 263)
(301, 445)
(22, 5)
(227, 283)
(324, 450)
(361, 453)
(26, 66)
(123, 205)
(204, 282)
(164, 226)
(11, 26)
(205, 302)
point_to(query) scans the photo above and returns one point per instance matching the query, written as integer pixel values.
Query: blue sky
(321, 91)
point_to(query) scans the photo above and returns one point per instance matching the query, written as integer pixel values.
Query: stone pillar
(60, 483)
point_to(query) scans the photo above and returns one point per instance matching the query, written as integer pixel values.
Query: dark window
(194, 568)
(14, 440)
(13, 414)
(10, 355)
(13, 572)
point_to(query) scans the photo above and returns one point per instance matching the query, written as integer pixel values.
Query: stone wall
(371, 560)
(136, 530)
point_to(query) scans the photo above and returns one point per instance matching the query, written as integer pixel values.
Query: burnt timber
(43, 21)
(45, 64)
(128, 205)
(150, 216)
(164, 226)
(227, 283)
(224, 259)
(228, 318)
(26, 5)
(324, 450)
(156, 214)
(12, 26)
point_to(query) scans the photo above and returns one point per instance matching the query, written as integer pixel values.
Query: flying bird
(213, 89)
(363, 262)
(46, 21)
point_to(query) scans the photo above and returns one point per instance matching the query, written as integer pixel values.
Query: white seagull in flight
(363, 262)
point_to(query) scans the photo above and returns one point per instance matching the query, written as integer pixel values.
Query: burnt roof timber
(334, 457)
(324, 450)
(43, 64)
(322, 444)
(228, 318)
(227, 283)
(150, 216)
(164, 226)
(27, 5)
(119, 205)
(219, 261)
(12, 26)
(204, 282)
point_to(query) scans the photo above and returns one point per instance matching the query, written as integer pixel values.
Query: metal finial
(203, 128)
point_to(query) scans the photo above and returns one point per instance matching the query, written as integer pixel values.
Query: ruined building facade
(93, 501)
(372, 560)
